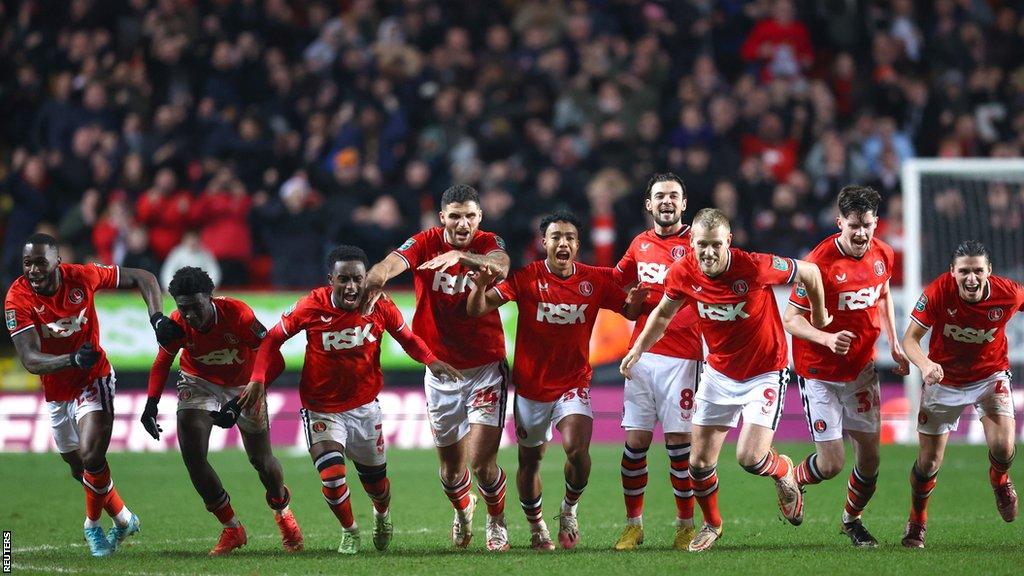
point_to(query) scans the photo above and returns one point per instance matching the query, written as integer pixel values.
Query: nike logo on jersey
(449, 284)
(65, 327)
(651, 272)
(722, 312)
(561, 314)
(969, 335)
(348, 338)
(221, 357)
(861, 299)
(840, 278)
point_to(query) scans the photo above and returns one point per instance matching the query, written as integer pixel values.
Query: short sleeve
(413, 250)
(674, 282)
(293, 320)
(625, 270)
(179, 343)
(509, 287)
(490, 243)
(252, 329)
(772, 269)
(392, 316)
(798, 297)
(17, 316)
(924, 310)
(613, 297)
(101, 276)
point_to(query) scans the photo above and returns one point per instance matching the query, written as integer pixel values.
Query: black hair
(663, 177)
(346, 253)
(971, 248)
(857, 199)
(42, 238)
(190, 280)
(458, 194)
(560, 216)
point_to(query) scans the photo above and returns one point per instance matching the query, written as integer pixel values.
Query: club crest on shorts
(184, 394)
(740, 287)
(76, 296)
(922, 417)
(319, 427)
(879, 268)
(586, 288)
(521, 432)
(678, 252)
(820, 426)
(995, 314)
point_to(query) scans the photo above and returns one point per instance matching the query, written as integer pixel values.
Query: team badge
(922, 417)
(76, 296)
(740, 287)
(780, 263)
(319, 427)
(497, 240)
(921, 303)
(184, 394)
(879, 268)
(820, 426)
(586, 288)
(995, 314)
(231, 339)
(12, 322)
(258, 329)
(678, 252)
(801, 290)
(408, 244)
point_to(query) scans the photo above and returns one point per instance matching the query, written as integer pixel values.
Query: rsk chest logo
(65, 327)
(651, 272)
(561, 314)
(860, 299)
(722, 312)
(450, 284)
(348, 338)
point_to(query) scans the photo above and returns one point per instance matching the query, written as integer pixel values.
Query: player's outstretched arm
(496, 260)
(167, 331)
(482, 299)
(269, 364)
(657, 322)
(636, 301)
(809, 274)
(392, 265)
(796, 323)
(930, 371)
(157, 380)
(889, 325)
(32, 357)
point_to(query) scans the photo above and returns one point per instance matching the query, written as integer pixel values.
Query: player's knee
(829, 467)
(746, 457)
(578, 455)
(928, 464)
(1003, 451)
(93, 459)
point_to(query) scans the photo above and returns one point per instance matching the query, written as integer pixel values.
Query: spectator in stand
(110, 234)
(776, 151)
(293, 224)
(137, 254)
(30, 188)
(221, 214)
(779, 46)
(164, 211)
(190, 252)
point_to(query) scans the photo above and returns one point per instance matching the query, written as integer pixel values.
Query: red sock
(97, 485)
(921, 487)
(114, 504)
(459, 493)
(705, 489)
(335, 487)
(494, 495)
(859, 490)
(377, 486)
(573, 493)
(682, 485)
(998, 471)
(221, 508)
(634, 480)
(807, 472)
(771, 465)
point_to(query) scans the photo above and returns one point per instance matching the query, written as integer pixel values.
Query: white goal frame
(910, 176)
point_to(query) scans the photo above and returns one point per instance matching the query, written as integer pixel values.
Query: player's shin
(705, 490)
(998, 471)
(494, 494)
(458, 493)
(859, 490)
(377, 486)
(331, 466)
(921, 486)
(682, 484)
(97, 484)
(634, 482)
(807, 472)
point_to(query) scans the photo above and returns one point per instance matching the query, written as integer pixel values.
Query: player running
(967, 364)
(558, 300)
(836, 369)
(218, 353)
(341, 378)
(663, 380)
(466, 416)
(746, 368)
(52, 320)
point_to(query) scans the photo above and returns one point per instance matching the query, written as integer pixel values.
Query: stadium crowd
(251, 136)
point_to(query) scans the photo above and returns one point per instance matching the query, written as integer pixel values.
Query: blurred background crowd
(248, 136)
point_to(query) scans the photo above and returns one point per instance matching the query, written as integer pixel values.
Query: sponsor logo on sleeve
(289, 311)
(12, 321)
(922, 302)
(258, 329)
(780, 263)
(497, 239)
(409, 243)
(801, 290)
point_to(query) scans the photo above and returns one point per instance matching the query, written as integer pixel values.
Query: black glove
(227, 415)
(85, 356)
(167, 331)
(149, 418)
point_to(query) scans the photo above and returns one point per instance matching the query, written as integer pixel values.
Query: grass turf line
(44, 510)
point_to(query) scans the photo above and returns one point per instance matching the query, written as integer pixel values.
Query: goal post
(946, 201)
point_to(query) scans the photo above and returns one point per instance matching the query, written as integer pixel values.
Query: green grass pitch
(44, 508)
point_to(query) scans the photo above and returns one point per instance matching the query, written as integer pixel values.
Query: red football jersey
(65, 322)
(853, 287)
(738, 314)
(224, 354)
(647, 260)
(556, 319)
(342, 365)
(968, 340)
(441, 295)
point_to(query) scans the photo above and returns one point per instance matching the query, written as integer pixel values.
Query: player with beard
(341, 378)
(466, 416)
(664, 380)
(218, 352)
(836, 369)
(967, 364)
(51, 316)
(558, 300)
(746, 372)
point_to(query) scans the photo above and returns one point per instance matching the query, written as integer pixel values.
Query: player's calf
(1006, 495)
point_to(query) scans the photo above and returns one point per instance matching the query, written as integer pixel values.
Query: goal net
(946, 201)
